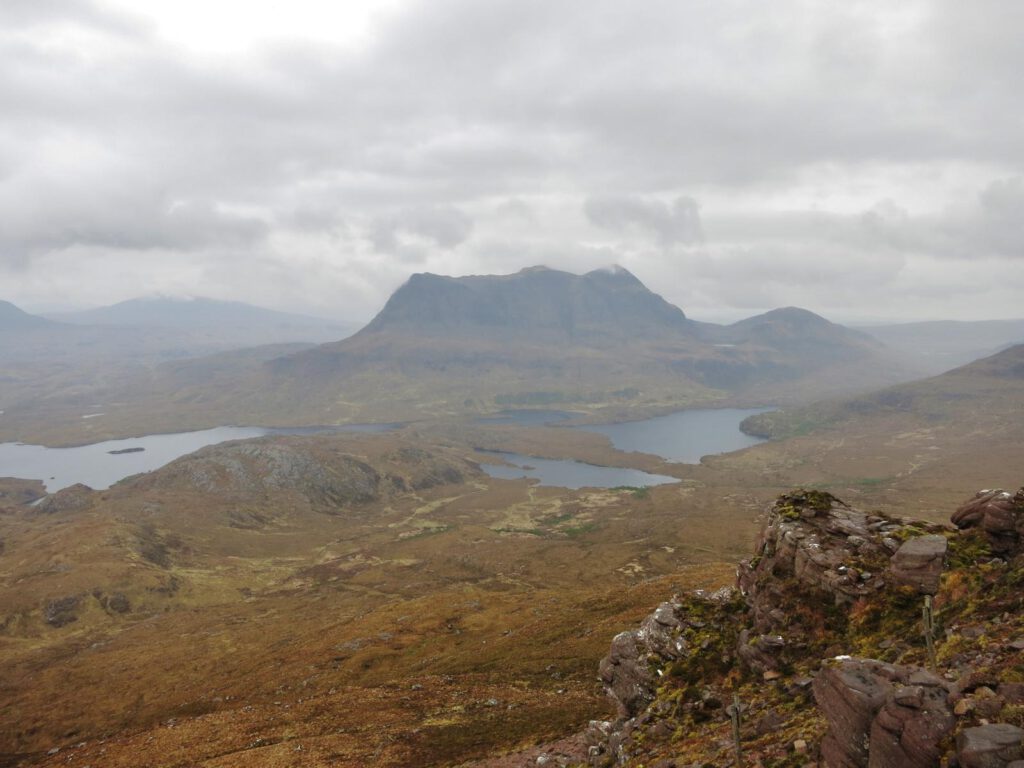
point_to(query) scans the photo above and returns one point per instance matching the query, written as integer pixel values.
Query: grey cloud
(446, 227)
(402, 152)
(672, 224)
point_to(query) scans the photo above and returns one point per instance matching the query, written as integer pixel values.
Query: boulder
(989, 746)
(1000, 515)
(62, 610)
(909, 729)
(849, 695)
(918, 563)
(882, 715)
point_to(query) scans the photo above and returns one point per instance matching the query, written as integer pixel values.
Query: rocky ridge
(851, 640)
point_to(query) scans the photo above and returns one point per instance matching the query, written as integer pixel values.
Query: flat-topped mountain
(14, 319)
(558, 305)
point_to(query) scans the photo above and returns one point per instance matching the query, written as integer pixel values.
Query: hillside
(372, 599)
(990, 388)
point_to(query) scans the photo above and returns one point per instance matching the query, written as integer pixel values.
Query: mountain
(202, 314)
(596, 307)
(795, 329)
(945, 344)
(14, 319)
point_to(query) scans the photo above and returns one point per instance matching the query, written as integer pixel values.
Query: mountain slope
(989, 390)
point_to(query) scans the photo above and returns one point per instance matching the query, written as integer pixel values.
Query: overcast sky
(861, 159)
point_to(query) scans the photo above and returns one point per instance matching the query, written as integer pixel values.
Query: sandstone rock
(625, 674)
(909, 729)
(820, 542)
(989, 746)
(1000, 515)
(882, 715)
(918, 563)
(850, 695)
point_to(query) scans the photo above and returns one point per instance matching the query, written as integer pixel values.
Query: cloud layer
(862, 159)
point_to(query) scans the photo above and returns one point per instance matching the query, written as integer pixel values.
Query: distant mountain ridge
(191, 314)
(12, 318)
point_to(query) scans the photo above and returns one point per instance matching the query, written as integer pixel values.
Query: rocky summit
(851, 640)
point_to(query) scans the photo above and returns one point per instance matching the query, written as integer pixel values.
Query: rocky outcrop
(828, 579)
(62, 611)
(74, 498)
(327, 478)
(813, 539)
(631, 670)
(1000, 515)
(697, 626)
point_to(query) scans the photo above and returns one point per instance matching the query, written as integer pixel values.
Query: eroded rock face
(882, 715)
(1000, 515)
(637, 660)
(626, 671)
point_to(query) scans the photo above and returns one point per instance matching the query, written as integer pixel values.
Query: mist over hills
(151, 330)
(210, 315)
(990, 389)
(941, 345)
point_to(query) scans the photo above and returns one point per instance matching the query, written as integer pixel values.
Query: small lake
(683, 436)
(99, 468)
(571, 474)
